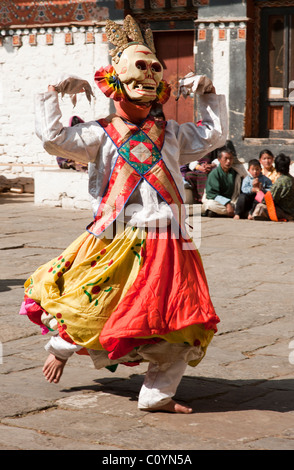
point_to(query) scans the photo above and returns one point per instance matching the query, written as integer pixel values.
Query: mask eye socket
(156, 67)
(141, 65)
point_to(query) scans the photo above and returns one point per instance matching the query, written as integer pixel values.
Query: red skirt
(170, 294)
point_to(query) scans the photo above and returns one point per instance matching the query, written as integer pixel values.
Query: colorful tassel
(163, 92)
(109, 83)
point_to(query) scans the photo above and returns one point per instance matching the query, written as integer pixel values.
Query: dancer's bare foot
(172, 407)
(53, 368)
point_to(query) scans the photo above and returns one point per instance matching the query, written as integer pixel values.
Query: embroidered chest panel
(140, 146)
(139, 158)
(140, 152)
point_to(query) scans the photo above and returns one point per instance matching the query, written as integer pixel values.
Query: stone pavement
(241, 393)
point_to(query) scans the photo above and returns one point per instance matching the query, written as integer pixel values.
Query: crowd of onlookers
(224, 188)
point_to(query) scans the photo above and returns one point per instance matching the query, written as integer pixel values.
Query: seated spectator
(282, 192)
(222, 187)
(266, 159)
(195, 174)
(252, 184)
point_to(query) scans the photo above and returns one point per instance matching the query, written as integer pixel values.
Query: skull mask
(140, 72)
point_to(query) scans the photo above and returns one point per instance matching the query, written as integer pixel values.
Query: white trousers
(161, 379)
(160, 384)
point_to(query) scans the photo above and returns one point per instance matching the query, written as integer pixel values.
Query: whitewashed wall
(27, 70)
(221, 63)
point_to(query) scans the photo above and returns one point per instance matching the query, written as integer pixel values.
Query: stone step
(62, 188)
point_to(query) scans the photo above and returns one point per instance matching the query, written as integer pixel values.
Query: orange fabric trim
(116, 128)
(270, 205)
(271, 209)
(131, 111)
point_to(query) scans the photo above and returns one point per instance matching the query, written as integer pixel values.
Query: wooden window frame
(265, 102)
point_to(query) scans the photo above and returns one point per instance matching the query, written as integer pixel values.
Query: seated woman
(266, 159)
(282, 192)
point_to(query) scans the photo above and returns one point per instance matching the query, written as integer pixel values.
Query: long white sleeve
(61, 348)
(80, 143)
(197, 141)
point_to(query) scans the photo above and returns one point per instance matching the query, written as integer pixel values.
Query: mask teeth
(141, 86)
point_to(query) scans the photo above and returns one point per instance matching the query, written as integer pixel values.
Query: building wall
(28, 69)
(221, 54)
(228, 44)
(223, 9)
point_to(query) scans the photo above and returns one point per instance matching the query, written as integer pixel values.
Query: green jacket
(283, 193)
(220, 185)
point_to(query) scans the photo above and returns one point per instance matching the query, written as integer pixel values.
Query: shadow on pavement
(6, 284)
(211, 395)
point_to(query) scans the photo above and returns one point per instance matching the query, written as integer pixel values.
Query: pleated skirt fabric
(139, 287)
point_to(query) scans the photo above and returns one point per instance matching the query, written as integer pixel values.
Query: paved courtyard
(241, 393)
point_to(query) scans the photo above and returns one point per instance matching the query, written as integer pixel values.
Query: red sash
(139, 157)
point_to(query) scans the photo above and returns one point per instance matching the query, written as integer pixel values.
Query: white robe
(88, 143)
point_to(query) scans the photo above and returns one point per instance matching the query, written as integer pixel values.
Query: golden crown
(121, 36)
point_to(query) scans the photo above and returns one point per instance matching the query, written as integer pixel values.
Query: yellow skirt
(83, 286)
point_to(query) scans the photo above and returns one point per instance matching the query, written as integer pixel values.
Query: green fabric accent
(148, 151)
(112, 368)
(283, 193)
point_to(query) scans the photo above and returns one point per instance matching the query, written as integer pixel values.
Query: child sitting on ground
(251, 185)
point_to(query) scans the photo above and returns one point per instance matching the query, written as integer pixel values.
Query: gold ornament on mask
(122, 35)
